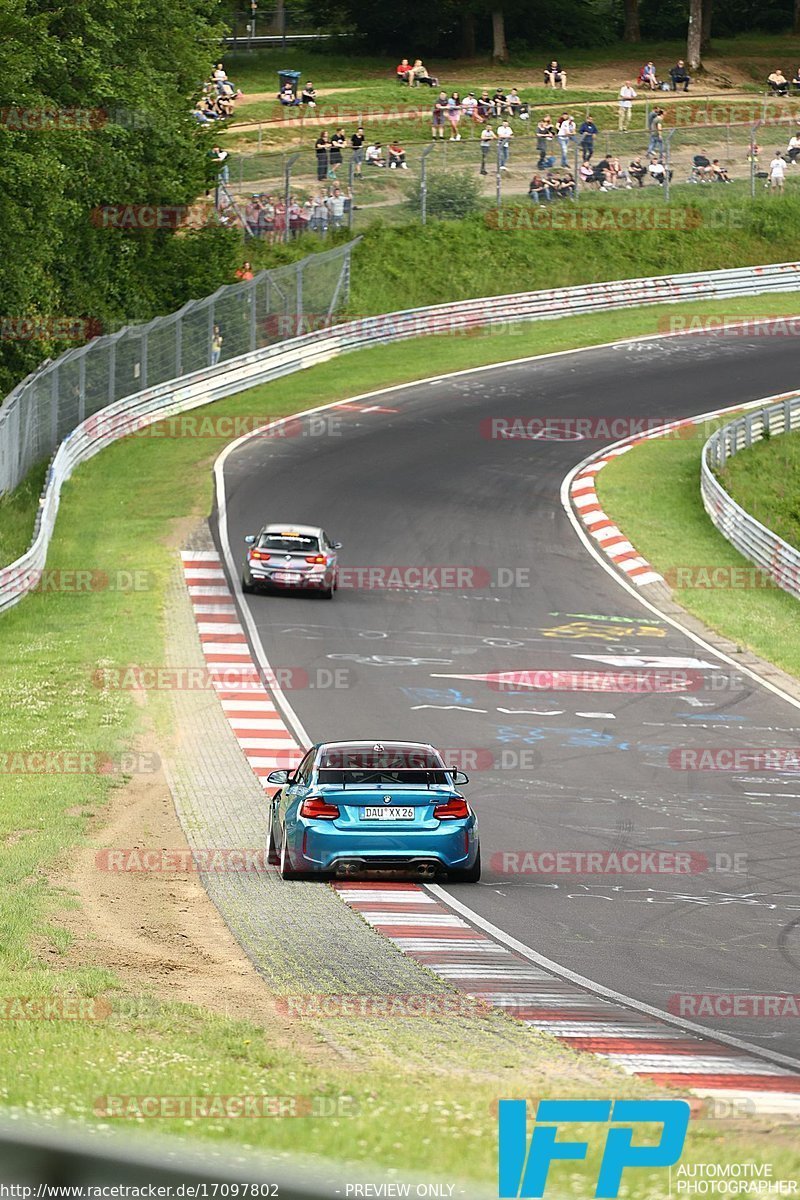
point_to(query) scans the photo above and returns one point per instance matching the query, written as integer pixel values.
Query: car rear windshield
(300, 543)
(388, 765)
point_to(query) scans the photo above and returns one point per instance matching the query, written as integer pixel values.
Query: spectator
(627, 95)
(216, 346)
(588, 132)
(224, 107)
(637, 170)
(322, 149)
(513, 103)
(647, 77)
(453, 115)
(545, 132)
(439, 116)
(702, 167)
(485, 105)
(616, 175)
(357, 144)
(793, 149)
(778, 83)
(555, 75)
(397, 156)
(309, 95)
(566, 134)
(286, 95)
(337, 145)
(244, 272)
(678, 74)
(719, 173)
(403, 72)
(500, 102)
(565, 186)
(539, 190)
(266, 220)
(777, 172)
(655, 125)
(294, 215)
(659, 171)
(419, 74)
(488, 136)
(219, 74)
(469, 106)
(374, 156)
(219, 160)
(335, 204)
(602, 173)
(586, 173)
(280, 220)
(252, 212)
(318, 220)
(796, 80)
(504, 136)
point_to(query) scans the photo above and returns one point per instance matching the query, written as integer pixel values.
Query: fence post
(143, 367)
(667, 158)
(287, 182)
(81, 388)
(251, 302)
(753, 159)
(112, 371)
(179, 347)
(351, 174)
(577, 175)
(53, 412)
(299, 292)
(423, 183)
(210, 333)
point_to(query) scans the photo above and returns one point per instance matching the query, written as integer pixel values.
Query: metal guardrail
(755, 541)
(294, 354)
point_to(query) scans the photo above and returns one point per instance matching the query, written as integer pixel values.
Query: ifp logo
(524, 1170)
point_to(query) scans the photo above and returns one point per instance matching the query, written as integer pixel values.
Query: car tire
(286, 869)
(469, 874)
(247, 588)
(326, 593)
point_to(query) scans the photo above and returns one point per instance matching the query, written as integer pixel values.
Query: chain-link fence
(239, 318)
(282, 193)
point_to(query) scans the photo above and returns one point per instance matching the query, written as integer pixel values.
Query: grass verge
(423, 1091)
(765, 480)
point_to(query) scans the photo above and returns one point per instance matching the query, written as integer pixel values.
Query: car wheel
(326, 593)
(273, 856)
(469, 874)
(247, 588)
(286, 869)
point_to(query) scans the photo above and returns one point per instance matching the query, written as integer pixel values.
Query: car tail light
(318, 809)
(454, 810)
(259, 554)
(316, 558)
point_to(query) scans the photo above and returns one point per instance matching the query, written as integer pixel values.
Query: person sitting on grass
(397, 156)
(500, 102)
(469, 106)
(793, 149)
(485, 106)
(719, 173)
(602, 175)
(702, 167)
(309, 95)
(796, 81)
(420, 74)
(566, 186)
(648, 78)
(403, 71)
(637, 170)
(659, 171)
(586, 173)
(514, 102)
(679, 75)
(539, 190)
(374, 156)
(555, 75)
(778, 83)
(286, 95)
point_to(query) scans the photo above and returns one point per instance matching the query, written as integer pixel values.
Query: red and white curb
(474, 963)
(246, 700)
(425, 929)
(598, 524)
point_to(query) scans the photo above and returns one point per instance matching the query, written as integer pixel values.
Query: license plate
(388, 814)
(287, 576)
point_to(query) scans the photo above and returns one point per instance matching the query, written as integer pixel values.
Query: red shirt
(401, 70)
(242, 274)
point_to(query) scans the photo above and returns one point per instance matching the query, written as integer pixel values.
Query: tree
(632, 31)
(694, 34)
(796, 22)
(705, 32)
(499, 47)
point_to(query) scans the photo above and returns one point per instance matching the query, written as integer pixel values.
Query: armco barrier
(294, 354)
(752, 539)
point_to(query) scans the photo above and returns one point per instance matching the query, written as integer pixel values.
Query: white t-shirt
(626, 95)
(487, 135)
(566, 128)
(777, 168)
(505, 130)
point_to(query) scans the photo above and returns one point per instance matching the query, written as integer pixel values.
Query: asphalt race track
(420, 485)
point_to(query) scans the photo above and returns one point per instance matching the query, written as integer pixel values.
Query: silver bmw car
(286, 557)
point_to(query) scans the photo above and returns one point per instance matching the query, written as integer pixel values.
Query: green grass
(661, 477)
(765, 480)
(17, 512)
(437, 1081)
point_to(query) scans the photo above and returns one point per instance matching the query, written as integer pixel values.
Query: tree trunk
(705, 29)
(468, 34)
(694, 34)
(796, 24)
(499, 47)
(632, 32)
(279, 18)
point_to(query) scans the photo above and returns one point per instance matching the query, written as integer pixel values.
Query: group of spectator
(289, 98)
(218, 99)
(779, 85)
(416, 75)
(268, 217)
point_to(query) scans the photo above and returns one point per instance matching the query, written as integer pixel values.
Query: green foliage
(452, 195)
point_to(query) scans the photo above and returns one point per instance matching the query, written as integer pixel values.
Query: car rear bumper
(309, 583)
(319, 846)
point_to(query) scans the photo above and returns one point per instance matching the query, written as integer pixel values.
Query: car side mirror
(250, 539)
(336, 545)
(459, 777)
(278, 777)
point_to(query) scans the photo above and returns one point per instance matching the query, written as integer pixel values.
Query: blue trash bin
(292, 77)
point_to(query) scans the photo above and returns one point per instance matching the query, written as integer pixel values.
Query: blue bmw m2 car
(351, 807)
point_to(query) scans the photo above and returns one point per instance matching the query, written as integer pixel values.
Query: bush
(453, 195)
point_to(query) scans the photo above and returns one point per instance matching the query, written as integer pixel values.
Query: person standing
(655, 124)
(322, 149)
(454, 115)
(566, 134)
(439, 116)
(216, 346)
(588, 132)
(504, 136)
(777, 172)
(337, 145)
(487, 138)
(357, 143)
(545, 132)
(627, 95)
